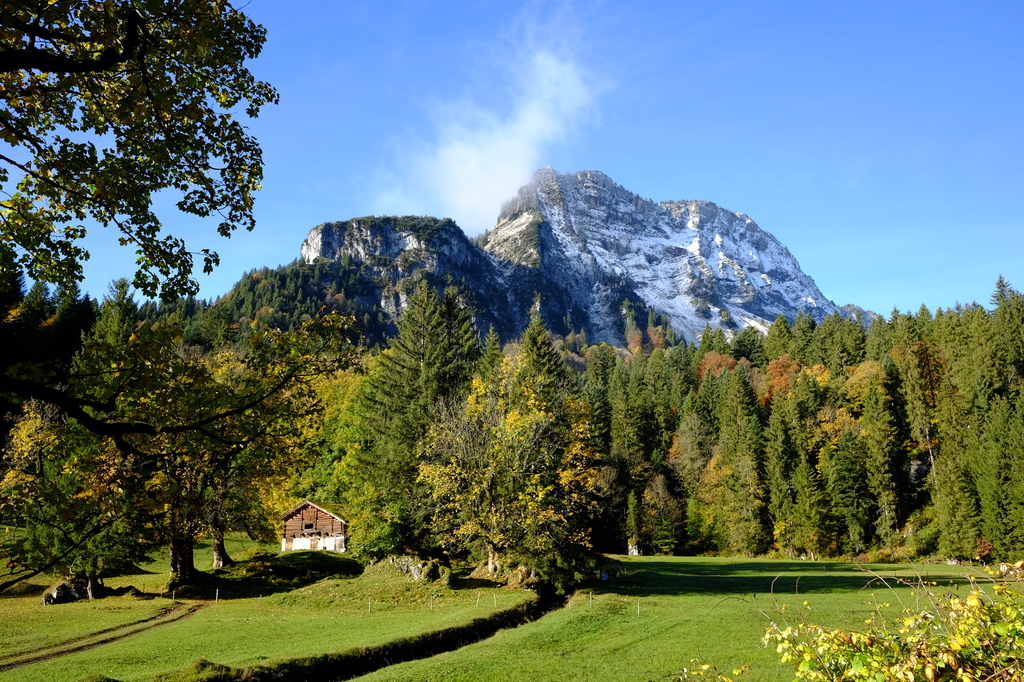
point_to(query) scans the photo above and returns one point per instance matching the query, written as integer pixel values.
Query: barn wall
(312, 528)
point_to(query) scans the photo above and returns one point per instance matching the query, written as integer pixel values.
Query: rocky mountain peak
(694, 261)
(585, 247)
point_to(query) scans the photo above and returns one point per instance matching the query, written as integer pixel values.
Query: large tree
(511, 470)
(169, 431)
(104, 103)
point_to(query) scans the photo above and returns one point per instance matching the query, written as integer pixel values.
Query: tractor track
(95, 639)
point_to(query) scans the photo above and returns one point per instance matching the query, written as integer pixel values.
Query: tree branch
(38, 59)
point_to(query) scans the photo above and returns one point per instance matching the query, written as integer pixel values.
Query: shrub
(973, 639)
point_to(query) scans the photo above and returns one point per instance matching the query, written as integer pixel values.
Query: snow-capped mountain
(694, 261)
(578, 245)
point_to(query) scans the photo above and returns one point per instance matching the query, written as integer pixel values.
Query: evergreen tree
(428, 364)
(37, 306)
(846, 486)
(992, 471)
(809, 509)
(879, 449)
(712, 340)
(492, 355)
(781, 458)
(543, 364)
(956, 509)
(748, 343)
(691, 451)
(779, 339)
(742, 507)
(601, 362)
(1009, 328)
(802, 347)
(840, 343)
(879, 342)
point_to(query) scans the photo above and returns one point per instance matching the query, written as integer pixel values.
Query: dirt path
(102, 637)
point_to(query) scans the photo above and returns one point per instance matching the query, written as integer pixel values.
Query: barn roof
(325, 508)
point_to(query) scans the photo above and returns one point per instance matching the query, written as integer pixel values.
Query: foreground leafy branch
(103, 104)
(977, 639)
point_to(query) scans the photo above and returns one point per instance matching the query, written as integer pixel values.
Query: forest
(887, 440)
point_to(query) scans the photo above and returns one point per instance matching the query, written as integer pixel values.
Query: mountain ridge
(575, 247)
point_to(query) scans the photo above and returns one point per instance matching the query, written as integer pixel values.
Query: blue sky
(881, 142)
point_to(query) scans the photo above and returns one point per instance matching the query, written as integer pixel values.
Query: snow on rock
(576, 245)
(692, 260)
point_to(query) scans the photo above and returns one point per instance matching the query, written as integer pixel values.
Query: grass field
(713, 610)
(330, 615)
(689, 608)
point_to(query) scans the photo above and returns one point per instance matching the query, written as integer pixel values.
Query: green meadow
(357, 609)
(650, 618)
(657, 615)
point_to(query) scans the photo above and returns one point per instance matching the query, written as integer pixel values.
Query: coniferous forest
(900, 438)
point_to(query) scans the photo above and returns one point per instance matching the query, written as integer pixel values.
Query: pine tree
(879, 450)
(846, 486)
(781, 458)
(492, 355)
(779, 339)
(809, 509)
(742, 507)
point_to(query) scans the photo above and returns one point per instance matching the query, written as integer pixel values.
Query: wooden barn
(311, 526)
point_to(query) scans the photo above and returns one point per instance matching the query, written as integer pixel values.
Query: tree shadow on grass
(266, 574)
(467, 583)
(674, 577)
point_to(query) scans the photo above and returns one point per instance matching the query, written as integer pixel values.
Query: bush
(977, 638)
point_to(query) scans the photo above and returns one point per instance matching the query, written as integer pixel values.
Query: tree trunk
(493, 563)
(220, 554)
(93, 586)
(183, 567)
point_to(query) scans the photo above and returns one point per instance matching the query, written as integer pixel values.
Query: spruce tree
(427, 365)
(749, 343)
(742, 505)
(492, 355)
(848, 492)
(992, 471)
(956, 508)
(880, 462)
(779, 338)
(781, 458)
(802, 347)
(809, 509)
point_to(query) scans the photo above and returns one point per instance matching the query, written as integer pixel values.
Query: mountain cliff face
(578, 245)
(390, 255)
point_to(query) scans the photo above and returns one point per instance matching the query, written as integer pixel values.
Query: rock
(416, 568)
(575, 246)
(72, 589)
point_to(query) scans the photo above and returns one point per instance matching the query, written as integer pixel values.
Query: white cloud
(479, 157)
